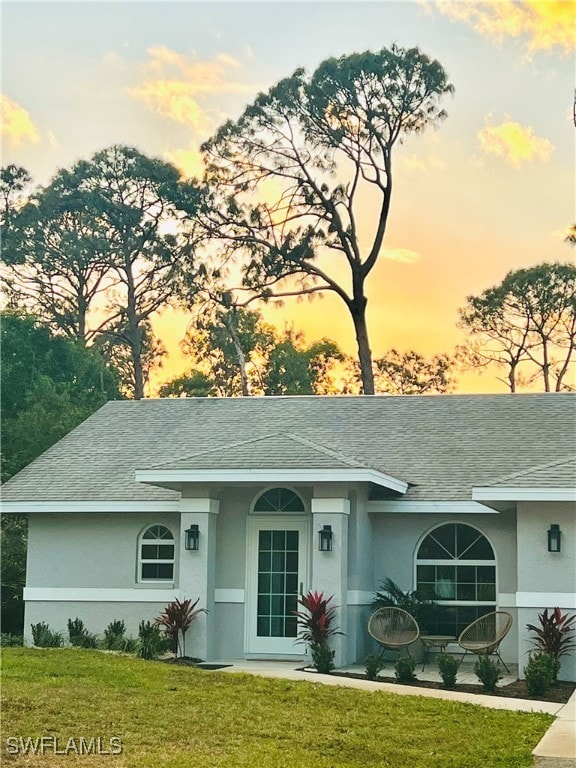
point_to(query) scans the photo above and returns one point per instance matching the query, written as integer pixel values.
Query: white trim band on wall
(564, 600)
(91, 595)
(228, 595)
(358, 597)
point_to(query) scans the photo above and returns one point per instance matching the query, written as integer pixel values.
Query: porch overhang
(175, 478)
(507, 497)
(508, 493)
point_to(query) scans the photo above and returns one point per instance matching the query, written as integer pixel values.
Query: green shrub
(540, 673)
(322, 657)
(76, 631)
(151, 642)
(488, 672)
(129, 645)
(43, 637)
(373, 664)
(114, 639)
(404, 669)
(79, 635)
(448, 667)
(9, 640)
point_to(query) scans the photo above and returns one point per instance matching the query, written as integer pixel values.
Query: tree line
(108, 243)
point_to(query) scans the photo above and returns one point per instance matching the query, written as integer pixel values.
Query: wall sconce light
(192, 540)
(325, 539)
(554, 538)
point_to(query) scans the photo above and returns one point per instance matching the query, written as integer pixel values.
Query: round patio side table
(435, 641)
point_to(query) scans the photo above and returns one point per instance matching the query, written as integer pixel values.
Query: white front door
(277, 559)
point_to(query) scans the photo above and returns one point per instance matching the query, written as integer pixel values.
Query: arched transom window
(156, 554)
(456, 567)
(279, 500)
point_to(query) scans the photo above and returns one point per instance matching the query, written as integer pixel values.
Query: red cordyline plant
(176, 620)
(555, 635)
(316, 625)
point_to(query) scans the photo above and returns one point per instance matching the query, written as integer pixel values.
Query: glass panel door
(277, 583)
(276, 572)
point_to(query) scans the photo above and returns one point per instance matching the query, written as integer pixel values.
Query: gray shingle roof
(263, 453)
(442, 445)
(553, 474)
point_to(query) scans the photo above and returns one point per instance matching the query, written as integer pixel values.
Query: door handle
(301, 591)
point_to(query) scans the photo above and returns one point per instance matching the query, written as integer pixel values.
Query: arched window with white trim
(156, 554)
(456, 567)
(279, 500)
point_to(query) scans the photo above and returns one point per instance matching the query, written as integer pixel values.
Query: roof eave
(519, 493)
(167, 477)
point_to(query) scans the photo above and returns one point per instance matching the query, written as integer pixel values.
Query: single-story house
(248, 502)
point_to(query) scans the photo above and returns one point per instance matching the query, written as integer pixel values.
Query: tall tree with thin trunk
(142, 204)
(293, 174)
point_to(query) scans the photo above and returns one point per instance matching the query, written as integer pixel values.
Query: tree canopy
(234, 352)
(526, 325)
(409, 373)
(289, 177)
(49, 384)
(100, 250)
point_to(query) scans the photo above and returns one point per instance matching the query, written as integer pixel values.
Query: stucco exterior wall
(99, 552)
(538, 569)
(545, 579)
(95, 615)
(360, 541)
(90, 550)
(229, 637)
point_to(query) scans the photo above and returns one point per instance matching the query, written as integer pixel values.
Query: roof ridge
(350, 460)
(536, 468)
(223, 447)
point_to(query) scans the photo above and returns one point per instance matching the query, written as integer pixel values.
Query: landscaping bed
(560, 692)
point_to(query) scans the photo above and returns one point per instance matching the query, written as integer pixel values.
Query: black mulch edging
(190, 661)
(559, 693)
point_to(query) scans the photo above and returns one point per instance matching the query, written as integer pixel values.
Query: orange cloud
(188, 161)
(175, 85)
(17, 125)
(544, 24)
(513, 142)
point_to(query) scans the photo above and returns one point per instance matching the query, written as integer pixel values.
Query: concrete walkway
(557, 748)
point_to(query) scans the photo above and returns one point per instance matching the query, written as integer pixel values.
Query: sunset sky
(492, 189)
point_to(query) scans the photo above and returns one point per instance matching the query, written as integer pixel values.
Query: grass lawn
(183, 717)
